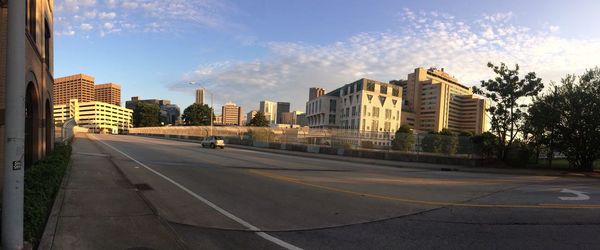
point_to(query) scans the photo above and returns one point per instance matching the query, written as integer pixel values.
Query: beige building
(80, 87)
(434, 100)
(200, 96)
(368, 108)
(250, 115)
(232, 114)
(39, 45)
(269, 108)
(98, 117)
(108, 93)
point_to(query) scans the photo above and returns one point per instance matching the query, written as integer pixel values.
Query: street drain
(142, 187)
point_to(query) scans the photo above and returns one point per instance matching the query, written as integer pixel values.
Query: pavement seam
(152, 208)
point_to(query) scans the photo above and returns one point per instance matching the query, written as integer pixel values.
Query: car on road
(213, 142)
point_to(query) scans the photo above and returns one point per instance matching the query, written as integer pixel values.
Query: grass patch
(42, 182)
(561, 164)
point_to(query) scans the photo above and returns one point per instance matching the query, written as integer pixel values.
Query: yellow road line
(421, 202)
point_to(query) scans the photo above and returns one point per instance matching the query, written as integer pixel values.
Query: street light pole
(12, 201)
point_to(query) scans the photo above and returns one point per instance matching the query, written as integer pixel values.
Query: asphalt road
(243, 199)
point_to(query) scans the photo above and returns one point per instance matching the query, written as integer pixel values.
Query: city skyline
(251, 62)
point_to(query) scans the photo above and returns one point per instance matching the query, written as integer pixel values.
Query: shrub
(42, 182)
(404, 140)
(449, 142)
(432, 143)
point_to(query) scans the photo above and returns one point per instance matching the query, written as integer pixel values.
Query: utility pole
(12, 202)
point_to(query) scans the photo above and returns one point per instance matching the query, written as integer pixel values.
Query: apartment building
(108, 93)
(232, 114)
(39, 65)
(369, 110)
(434, 100)
(98, 117)
(250, 115)
(80, 87)
(269, 108)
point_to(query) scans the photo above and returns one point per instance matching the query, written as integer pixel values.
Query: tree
(449, 141)
(578, 131)
(485, 144)
(259, 120)
(506, 91)
(432, 142)
(197, 115)
(541, 123)
(146, 115)
(404, 140)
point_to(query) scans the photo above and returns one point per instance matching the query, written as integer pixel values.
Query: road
(243, 199)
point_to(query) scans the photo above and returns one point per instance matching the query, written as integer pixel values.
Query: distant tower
(200, 96)
(315, 92)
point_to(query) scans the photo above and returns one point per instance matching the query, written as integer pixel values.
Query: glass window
(383, 89)
(370, 86)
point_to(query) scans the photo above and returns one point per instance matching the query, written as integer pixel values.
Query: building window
(383, 89)
(47, 37)
(353, 111)
(388, 114)
(370, 86)
(395, 92)
(376, 112)
(31, 15)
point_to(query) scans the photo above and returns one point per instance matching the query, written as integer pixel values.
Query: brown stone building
(80, 87)
(108, 93)
(232, 114)
(39, 129)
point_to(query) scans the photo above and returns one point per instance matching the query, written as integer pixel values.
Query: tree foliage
(259, 120)
(541, 123)
(485, 144)
(431, 142)
(449, 142)
(507, 92)
(404, 140)
(146, 115)
(197, 115)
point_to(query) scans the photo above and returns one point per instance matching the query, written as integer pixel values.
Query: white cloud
(107, 15)
(86, 26)
(462, 48)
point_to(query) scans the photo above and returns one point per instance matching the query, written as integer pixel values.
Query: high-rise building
(434, 100)
(269, 108)
(232, 114)
(250, 115)
(98, 117)
(286, 118)
(364, 107)
(200, 96)
(80, 87)
(39, 62)
(108, 93)
(282, 107)
(315, 92)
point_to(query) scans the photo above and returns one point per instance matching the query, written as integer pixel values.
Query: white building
(98, 117)
(269, 108)
(367, 110)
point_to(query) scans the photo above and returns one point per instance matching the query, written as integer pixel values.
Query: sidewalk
(98, 208)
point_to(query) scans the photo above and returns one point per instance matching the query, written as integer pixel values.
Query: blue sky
(247, 51)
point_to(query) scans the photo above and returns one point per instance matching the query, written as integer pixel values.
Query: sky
(248, 51)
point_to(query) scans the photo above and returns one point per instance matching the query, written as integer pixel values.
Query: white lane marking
(209, 203)
(580, 195)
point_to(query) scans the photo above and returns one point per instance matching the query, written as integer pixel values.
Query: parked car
(213, 142)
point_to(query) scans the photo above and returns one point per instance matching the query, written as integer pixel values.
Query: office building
(108, 93)
(315, 92)
(269, 108)
(231, 114)
(80, 87)
(286, 118)
(169, 113)
(283, 107)
(300, 118)
(366, 107)
(250, 115)
(434, 100)
(39, 65)
(200, 96)
(98, 117)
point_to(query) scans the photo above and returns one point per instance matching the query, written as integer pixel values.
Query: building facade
(80, 87)
(315, 92)
(232, 114)
(108, 93)
(368, 110)
(199, 96)
(283, 107)
(98, 117)
(39, 81)
(434, 100)
(250, 115)
(269, 108)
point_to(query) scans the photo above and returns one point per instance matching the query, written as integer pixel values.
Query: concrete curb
(47, 239)
(403, 164)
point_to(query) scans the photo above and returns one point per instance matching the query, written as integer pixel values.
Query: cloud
(86, 26)
(463, 48)
(171, 15)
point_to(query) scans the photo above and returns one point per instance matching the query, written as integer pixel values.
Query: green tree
(506, 92)
(578, 131)
(485, 144)
(449, 141)
(259, 120)
(431, 142)
(146, 115)
(197, 115)
(541, 123)
(404, 140)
